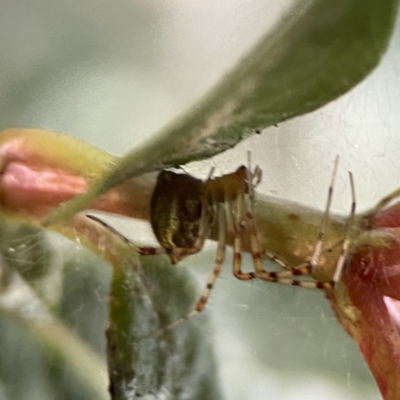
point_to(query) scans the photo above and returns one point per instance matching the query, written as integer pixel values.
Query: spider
(184, 209)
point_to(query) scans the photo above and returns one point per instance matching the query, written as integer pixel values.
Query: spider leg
(204, 227)
(307, 268)
(346, 241)
(254, 179)
(141, 250)
(230, 225)
(255, 249)
(345, 244)
(237, 240)
(249, 202)
(287, 278)
(219, 260)
(322, 232)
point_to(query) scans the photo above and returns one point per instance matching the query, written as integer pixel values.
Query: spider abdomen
(176, 209)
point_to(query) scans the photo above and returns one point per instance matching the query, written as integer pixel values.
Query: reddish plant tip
(367, 305)
(41, 169)
(35, 191)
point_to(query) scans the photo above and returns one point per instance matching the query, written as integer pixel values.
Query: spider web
(274, 341)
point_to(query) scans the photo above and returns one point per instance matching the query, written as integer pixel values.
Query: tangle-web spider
(184, 209)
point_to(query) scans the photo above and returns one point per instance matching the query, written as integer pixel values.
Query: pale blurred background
(113, 73)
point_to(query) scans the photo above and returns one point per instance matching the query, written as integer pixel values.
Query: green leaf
(35, 324)
(320, 50)
(176, 364)
(60, 364)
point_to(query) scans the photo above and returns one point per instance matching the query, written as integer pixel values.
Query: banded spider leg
(184, 209)
(286, 277)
